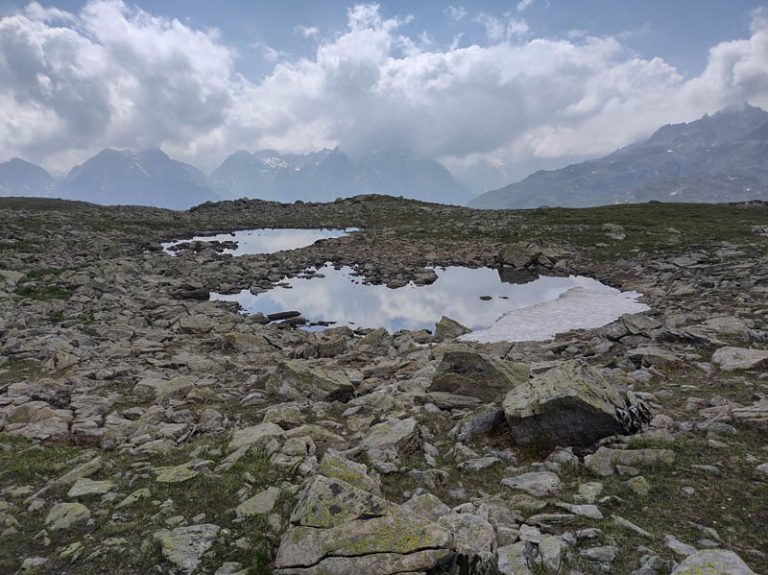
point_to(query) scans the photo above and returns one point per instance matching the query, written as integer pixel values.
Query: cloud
(114, 75)
(308, 31)
(524, 5)
(456, 13)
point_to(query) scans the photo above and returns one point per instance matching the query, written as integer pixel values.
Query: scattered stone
(536, 483)
(713, 562)
(86, 488)
(185, 546)
(66, 515)
(738, 358)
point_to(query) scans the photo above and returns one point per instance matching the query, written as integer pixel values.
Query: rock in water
(570, 405)
(448, 328)
(476, 375)
(713, 562)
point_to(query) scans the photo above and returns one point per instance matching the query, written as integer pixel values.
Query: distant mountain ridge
(148, 177)
(718, 158)
(21, 178)
(329, 174)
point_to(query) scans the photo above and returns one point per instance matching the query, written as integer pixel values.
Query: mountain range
(150, 177)
(718, 158)
(329, 174)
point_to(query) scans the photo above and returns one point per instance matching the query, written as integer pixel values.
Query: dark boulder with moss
(571, 405)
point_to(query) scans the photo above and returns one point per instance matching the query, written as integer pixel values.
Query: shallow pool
(264, 240)
(477, 298)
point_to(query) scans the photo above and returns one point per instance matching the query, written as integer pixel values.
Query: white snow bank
(577, 308)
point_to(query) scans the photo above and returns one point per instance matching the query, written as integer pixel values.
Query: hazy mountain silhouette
(330, 174)
(149, 177)
(21, 178)
(723, 157)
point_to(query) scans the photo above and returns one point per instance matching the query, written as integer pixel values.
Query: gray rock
(536, 483)
(66, 516)
(605, 460)
(335, 465)
(87, 487)
(475, 375)
(713, 562)
(255, 435)
(398, 434)
(570, 405)
(260, 504)
(512, 560)
(738, 358)
(474, 535)
(448, 328)
(299, 380)
(185, 546)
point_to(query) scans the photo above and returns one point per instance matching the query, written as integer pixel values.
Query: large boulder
(570, 405)
(476, 375)
(340, 529)
(299, 380)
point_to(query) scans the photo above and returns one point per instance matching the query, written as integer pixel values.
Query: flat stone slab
(536, 483)
(737, 358)
(87, 487)
(66, 515)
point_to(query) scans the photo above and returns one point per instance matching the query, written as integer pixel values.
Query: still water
(264, 240)
(476, 298)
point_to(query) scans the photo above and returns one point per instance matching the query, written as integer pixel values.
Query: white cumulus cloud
(114, 75)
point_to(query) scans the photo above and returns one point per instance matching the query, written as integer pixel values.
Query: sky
(494, 90)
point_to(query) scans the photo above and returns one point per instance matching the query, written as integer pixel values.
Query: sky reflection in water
(342, 298)
(265, 240)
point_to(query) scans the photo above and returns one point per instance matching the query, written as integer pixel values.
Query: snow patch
(577, 308)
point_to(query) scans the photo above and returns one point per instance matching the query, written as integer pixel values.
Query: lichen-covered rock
(327, 502)
(185, 546)
(397, 532)
(476, 375)
(397, 434)
(88, 488)
(298, 380)
(337, 466)
(66, 515)
(713, 562)
(570, 405)
(338, 528)
(604, 460)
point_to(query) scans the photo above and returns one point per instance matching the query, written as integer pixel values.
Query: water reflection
(264, 240)
(342, 298)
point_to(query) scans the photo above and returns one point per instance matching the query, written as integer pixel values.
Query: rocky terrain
(145, 429)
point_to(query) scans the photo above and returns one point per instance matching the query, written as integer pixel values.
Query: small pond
(477, 298)
(263, 240)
